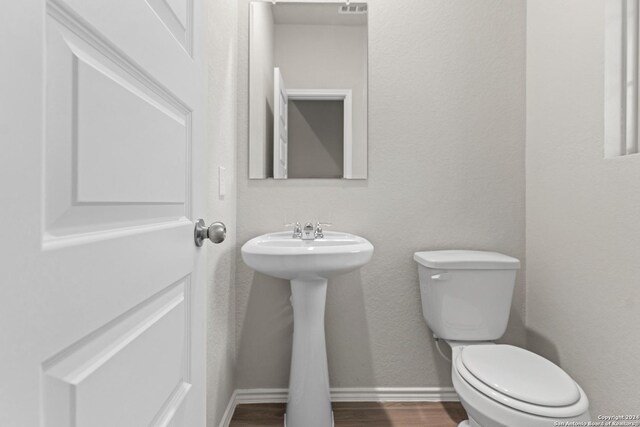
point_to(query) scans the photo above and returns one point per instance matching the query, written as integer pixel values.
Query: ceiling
(316, 14)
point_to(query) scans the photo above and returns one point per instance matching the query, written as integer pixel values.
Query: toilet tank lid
(466, 260)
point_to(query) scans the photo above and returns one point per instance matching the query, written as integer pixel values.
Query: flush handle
(441, 276)
(216, 232)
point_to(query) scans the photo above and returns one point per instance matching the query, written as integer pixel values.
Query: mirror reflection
(308, 90)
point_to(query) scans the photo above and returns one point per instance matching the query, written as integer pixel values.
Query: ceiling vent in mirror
(353, 9)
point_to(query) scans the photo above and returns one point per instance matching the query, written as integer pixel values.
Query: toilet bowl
(506, 386)
(466, 297)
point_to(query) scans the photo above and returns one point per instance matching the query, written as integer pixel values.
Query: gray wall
(221, 259)
(316, 139)
(446, 170)
(583, 212)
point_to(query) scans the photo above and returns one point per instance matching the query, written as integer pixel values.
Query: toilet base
(469, 423)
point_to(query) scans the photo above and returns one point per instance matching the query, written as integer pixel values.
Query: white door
(280, 126)
(102, 317)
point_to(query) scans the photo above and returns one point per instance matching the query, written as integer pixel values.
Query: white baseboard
(373, 394)
(228, 412)
(394, 394)
(261, 395)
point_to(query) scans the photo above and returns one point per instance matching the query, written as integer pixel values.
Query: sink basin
(280, 255)
(308, 264)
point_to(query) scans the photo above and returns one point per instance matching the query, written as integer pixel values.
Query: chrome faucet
(308, 232)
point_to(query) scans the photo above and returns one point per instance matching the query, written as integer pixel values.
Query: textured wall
(221, 133)
(446, 170)
(583, 228)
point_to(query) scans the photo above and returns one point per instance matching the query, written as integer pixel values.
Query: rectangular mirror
(307, 90)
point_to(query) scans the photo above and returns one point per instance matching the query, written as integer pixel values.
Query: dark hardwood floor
(357, 414)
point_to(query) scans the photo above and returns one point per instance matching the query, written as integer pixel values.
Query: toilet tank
(466, 295)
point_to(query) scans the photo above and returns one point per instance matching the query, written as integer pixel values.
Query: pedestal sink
(308, 264)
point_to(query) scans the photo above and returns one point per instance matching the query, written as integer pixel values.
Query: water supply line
(437, 340)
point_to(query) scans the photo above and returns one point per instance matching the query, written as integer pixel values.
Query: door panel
(103, 300)
(123, 372)
(149, 162)
(141, 30)
(121, 173)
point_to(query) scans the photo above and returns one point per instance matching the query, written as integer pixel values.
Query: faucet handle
(319, 233)
(297, 229)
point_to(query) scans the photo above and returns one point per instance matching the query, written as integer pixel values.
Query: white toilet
(466, 298)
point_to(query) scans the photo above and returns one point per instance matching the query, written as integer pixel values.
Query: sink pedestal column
(309, 403)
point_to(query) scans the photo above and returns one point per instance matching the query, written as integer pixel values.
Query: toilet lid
(520, 374)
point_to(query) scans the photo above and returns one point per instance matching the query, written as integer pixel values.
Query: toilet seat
(521, 380)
